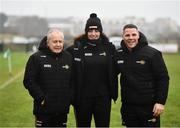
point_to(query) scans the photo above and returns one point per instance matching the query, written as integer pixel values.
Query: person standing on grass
(144, 80)
(95, 78)
(48, 77)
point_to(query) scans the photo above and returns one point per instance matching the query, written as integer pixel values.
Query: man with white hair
(48, 80)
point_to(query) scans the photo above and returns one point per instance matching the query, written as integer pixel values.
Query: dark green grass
(171, 116)
(16, 104)
(18, 61)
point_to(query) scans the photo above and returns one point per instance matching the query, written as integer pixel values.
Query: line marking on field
(11, 80)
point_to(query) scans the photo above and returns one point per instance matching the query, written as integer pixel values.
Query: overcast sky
(149, 9)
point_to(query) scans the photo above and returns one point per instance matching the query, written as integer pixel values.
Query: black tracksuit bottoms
(139, 116)
(99, 107)
(55, 120)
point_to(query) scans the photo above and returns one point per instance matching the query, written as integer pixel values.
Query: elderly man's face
(55, 42)
(130, 37)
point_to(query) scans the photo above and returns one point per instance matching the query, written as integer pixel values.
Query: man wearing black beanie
(95, 80)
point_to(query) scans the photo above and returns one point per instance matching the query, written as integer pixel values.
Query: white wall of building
(166, 48)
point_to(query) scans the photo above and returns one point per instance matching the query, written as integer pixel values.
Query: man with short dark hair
(144, 80)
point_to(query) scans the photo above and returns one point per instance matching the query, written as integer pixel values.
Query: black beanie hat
(93, 21)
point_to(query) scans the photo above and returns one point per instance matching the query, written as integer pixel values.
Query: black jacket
(48, 77)
(144, 76)
(77, 51)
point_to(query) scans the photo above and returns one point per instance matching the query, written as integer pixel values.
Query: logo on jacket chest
(50, 66)
(142, 62)
(102, 54)
(65, 66)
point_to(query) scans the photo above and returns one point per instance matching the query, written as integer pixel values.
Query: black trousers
(139, 116)
(99, 107)
(57, 120)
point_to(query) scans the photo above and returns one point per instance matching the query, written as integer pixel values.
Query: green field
(16, 104)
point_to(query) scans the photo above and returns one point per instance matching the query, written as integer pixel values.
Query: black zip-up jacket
(144, 76)
(77, 51)
(48, 77)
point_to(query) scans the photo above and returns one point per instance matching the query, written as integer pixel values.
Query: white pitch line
(11, 80)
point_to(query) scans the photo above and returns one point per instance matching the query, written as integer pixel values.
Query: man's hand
(158, 109)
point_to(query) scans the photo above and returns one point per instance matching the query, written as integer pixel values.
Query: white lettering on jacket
(76, 49)
(120, 61)
(77, 59)
(43, 56)
(88, 54)
(102, 54)
(120, 50)
(47, 66)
